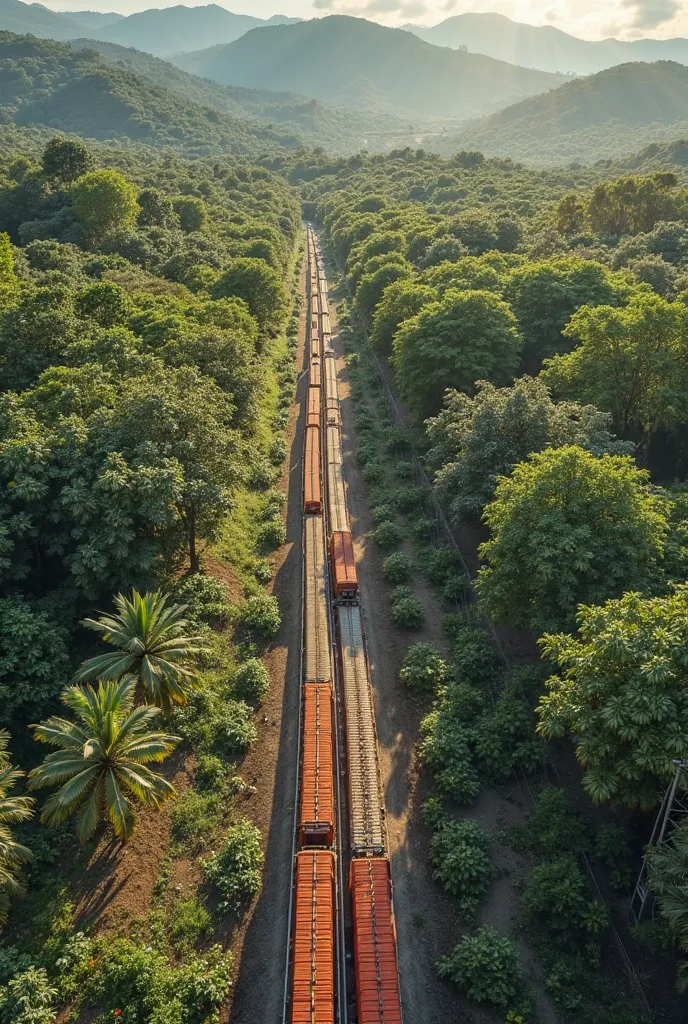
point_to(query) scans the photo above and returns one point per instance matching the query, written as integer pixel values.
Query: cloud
(399, 8)
(651, 13)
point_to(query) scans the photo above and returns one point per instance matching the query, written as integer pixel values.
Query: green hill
(353, 62)
(604, 116)
(318, 124)
(46, 83)
(543, 46)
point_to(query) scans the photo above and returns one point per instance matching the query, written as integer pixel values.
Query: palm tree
(101, 764)
(13, 809)
(148, 634)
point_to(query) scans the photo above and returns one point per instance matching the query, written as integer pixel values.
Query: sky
(589, 19)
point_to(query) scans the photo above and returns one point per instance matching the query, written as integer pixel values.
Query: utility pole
(674, 807)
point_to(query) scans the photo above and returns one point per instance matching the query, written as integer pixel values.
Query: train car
(314, 411)
(325, 324)
(312, 489)
(315, 344)
(378, 1000)
(336, 491)
(344, 575)
(366, 813)
(315, 379)
(330, 367)
(333, 416)
(316, 808)
(313, 943)
(317, 662)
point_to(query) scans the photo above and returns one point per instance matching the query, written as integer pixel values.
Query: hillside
(318, 124)
(177, 29)
(162, 32)
(604, 116)
(543, 46)
(46, 83)
(357, 63)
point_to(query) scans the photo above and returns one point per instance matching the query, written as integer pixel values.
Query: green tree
(64, 160)
(477, 440)
(631, 362)
(621, 692)
(28, 998)
(372, 286)
(34, 660)
(632, 204)
(149, 636)
(103, 201)
(259, 285)
(486, 966)
(13, 810)
(191, 212)
(571, 214)
(400, 301)
(106, 303)
(155, 208)
(8, 279)
(468, 336)
(568, 528)
(101, 764)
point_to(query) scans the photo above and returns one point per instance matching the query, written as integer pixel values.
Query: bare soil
(260, 942)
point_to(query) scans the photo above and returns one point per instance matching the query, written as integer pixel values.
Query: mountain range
(603, 116)
(160, 32)
(545, 47)
(358, 63)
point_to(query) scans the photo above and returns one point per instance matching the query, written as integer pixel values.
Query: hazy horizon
(587, 19)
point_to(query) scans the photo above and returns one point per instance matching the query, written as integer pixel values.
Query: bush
(397, 567)
(383, 512)
(236, 870)
(423, 669)
(189, 922)
(258, 618)
(552, 830)
(277, 452)
(272, 534)
(28, 998)
(373, 473)
(460, 857)
(410, 499)
(422, 529)
(486, 966)
(440, 565)
(262, 570)
(614, 850)
(388, 535)
(211, 770)
(251, 681)
(557, 900)
(205, 596)
(366, 451)
(234, 729)
(446, 747)
(403, 470)
(456, 588)
(397, 441)
(195, 816)
(407, 612)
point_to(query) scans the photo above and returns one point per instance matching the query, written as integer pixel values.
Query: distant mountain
(161, 32)
(180, 29)
(545, 47)
(47, 84)
(339, 131)
(362, 64)
(604, 116)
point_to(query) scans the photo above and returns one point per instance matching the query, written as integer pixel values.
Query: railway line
(341, 895)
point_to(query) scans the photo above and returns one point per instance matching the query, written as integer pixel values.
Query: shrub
(383, 512)
(473, 655)
(456, 588)
(410, 499)
(552, 830)
(423, 669)
(387, 535)
(275, 502)
(614, 850)
(373, 473)
(205, 596)
(440, 564)
(557, 900)
(251, 681)
(397, 441)
(397, 567)
(422, 529)
(272, 534)
(445, 746)
(210, 771)
(403, 470)
(258, 618)
(262, 570)
(261, 475)
(236, 870)
(195, 816)
(28, 998)
(234, 729)
(277, 452)
(486, 966)
(460, 857)
(408, 613)
(189, 922)
(366, 451)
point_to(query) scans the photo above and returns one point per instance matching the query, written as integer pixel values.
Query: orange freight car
(312, 987)
(344, 578)
(375, 942)
(312, 494)
(316, 376)
(316, 819)
(313, 415)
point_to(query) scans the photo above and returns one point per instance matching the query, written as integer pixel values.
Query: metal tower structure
(674, 808)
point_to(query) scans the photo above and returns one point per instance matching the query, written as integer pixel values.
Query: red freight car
(316, 376)
(313, 959)
(316, 819)
(312, 493)
(313, 415)
(344, 578)
(375, 942)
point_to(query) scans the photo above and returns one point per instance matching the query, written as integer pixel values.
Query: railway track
(339, 830)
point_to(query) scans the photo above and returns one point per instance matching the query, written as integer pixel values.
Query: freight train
(335, 661)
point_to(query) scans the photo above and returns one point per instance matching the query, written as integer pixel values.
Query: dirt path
(426, 923)
(271, 765)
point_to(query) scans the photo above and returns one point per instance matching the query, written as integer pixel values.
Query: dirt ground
(260, 943)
